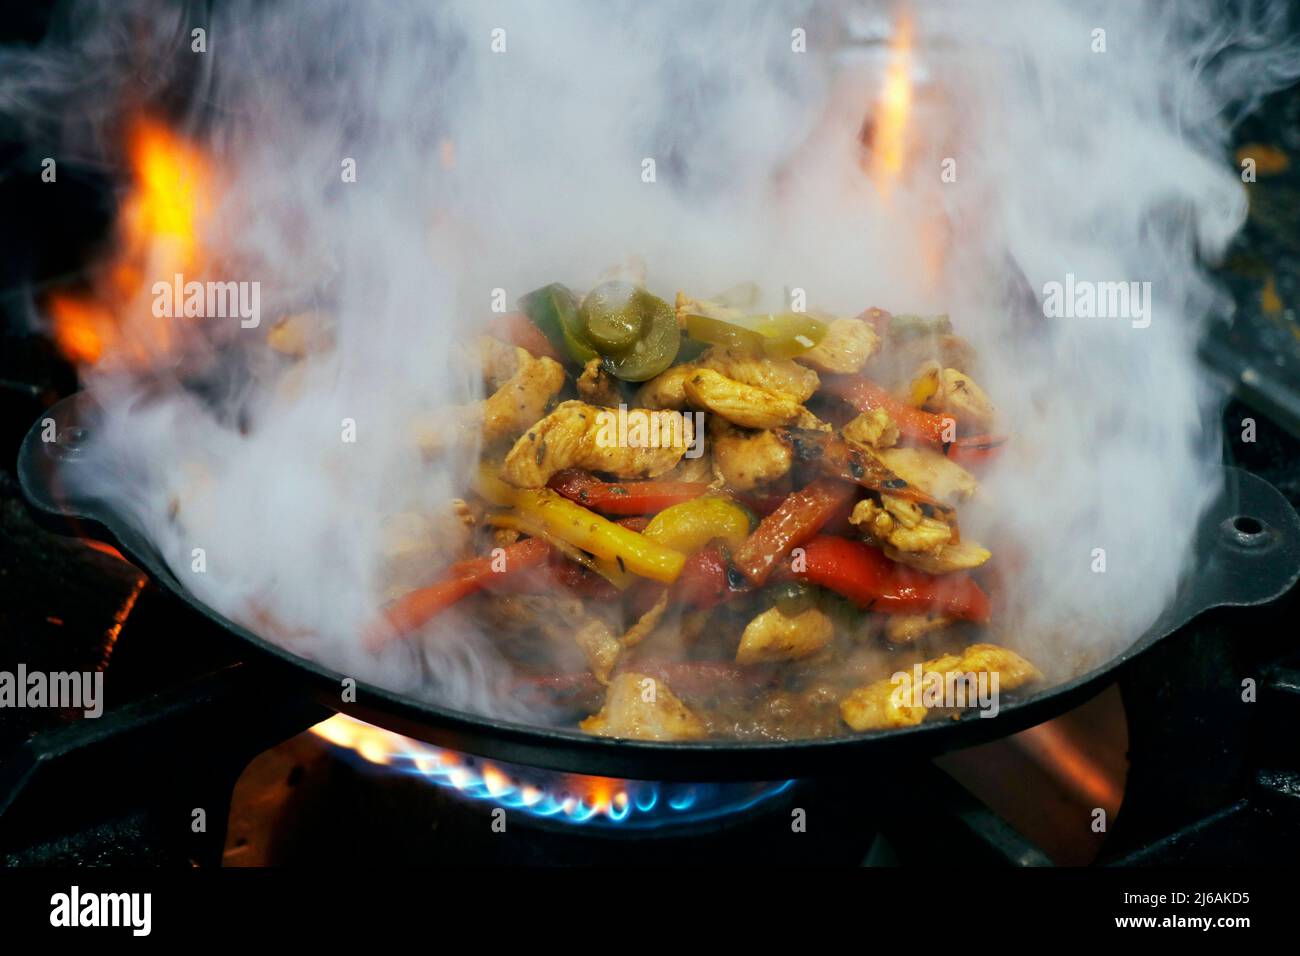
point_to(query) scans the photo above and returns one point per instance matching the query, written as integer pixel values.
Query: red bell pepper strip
(517, 329)
(798, 518)
(624, 497)
(861, 573)
(915, 423)
(409, 612)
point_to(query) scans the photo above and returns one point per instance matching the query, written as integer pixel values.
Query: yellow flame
(158, 236)
(889, 136)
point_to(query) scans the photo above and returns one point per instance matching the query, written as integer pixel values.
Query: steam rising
(479, 170)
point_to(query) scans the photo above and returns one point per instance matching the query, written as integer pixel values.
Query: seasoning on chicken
(874, 428)
(776, 375)
(900, 524)
(953, 392)
(642, 708)
(783, 376)
(772, 636)
(578, 435)
(520, 400)
(743, 459)
(848, 345)
(749, 406)
(895, 702)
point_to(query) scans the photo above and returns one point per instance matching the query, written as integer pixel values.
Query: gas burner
(563, 799)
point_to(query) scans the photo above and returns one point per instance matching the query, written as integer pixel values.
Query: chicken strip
(578, 435)
(520, 400)
(642, 708)
(772, 636)
(668, 389)
(952, 392)
(848, 345)
(900, 524)
(930, 470)
(749, 406)
(875, 429)
(910, 628)
(744, 459)
(894, 702)
(775, 375)
(961, 555)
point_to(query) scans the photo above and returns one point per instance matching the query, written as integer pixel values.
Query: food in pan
(690, 520)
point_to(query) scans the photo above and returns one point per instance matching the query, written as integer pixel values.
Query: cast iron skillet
(1247, 553)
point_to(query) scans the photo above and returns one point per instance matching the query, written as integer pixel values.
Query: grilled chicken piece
(909, 628)
(774, 637)
(597, 387)
(566, 619)
(578, 435)
(749, 406)
(519, 401)
(699, 468)
(952, 392)
(523, 398)
(901, 524)
(890, 702)
(848, 344)
(875, 429)
(931, 471)
(667, 389)
(782, 376)
(744, 459)
(642, 708)
(953, 556)
(599, 646)
(776, 375)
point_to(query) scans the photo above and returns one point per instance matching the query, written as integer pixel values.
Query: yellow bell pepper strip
(586, 530)
(689, 526)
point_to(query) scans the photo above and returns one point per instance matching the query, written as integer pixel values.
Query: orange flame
(158, 229)
(890, 131)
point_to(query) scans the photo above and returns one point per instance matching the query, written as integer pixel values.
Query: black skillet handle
(53, 448)
(1247, 551)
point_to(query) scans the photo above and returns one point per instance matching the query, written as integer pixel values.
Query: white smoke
(1107, 165)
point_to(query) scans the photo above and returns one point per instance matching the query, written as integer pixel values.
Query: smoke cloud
(504, 147)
